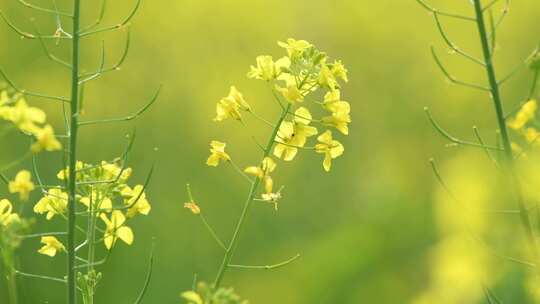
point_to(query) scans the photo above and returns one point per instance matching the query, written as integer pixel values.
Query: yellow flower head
(136, 201)
(45, 140)
(194, 208)
(292, 135)
(51, 246)
(24, 116)
(267, 69)
(295, 48)
(532, 136)
(22, 184)
(291, 91)
(112, 171)
(339, 71)
(54, 202)
(340, 117)
(329, 147)
(99, 202)
(115, 229)
(6, 213)
(327, 78)
(64, 173)
(269, 195)
(217, 151)
(230, 106)
(525, 114)
(267, 166)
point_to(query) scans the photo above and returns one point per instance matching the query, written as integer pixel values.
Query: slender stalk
(506, 143)
(229, 253)
(72, 156)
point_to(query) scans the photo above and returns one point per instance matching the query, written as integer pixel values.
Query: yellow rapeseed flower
(340, 117)
(112, 171)
(53, 203)
(115, 229)
(64, 173)
(329, 147)
(193, 207)
(22, 184)
(525, 114)
(230, 106)
(267, 69)
(295, 48)
(51, 246)
(293, 135)
(136, 201)
(267, 166)
(7, 216)
(339, 70)
(327, 78)
(25, 117)
(99, 202)
(217, 151)
(45, 140)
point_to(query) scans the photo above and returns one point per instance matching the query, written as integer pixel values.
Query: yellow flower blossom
(230, 106)
(295, 48)
(293, 135)
(193, 207)
(327, 78)
(267, 69)
(339, 71)
(24, 116)
(64, 173)
(217, 153)
(329, 147)
(112, 171)
(291, 93)
(99, 202)
(22, 184)
(340, 117)
(269, 195)
(192, 297)
(532, 136)
(267, 166)
(136, 201)
(525, 114)
(45, 140)
(51, 246)
(7, 216)
(115, 229)
(53, 203)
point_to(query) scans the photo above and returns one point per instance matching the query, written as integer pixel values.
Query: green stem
(506, 143)
(229, 253)
(12, 287)
(72, 156)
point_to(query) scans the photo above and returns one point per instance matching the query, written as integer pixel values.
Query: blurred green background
(364, 230)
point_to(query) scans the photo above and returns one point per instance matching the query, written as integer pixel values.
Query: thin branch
(267, 267)
(114, 27)
(453, 139)
(45, 10)
(443, 13)
(125, 118)
(520, 66)
(99, 18)
(49, 55)
(37, 276)
(451, 78)
(451, 45)
(100, 69)
(29, 93)
(148, 275)
(26, 34)
(481, 141)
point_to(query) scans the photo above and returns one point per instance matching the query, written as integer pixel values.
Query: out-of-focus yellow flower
(115, 229)
(267, 69)
(64, 173)
(4, 98)
(292, 135)
(525, 114)
(327, 78)
(291, 93)
(192, 297)
(217, 151)
(532, 136)
(54, 202)
(51, 246)
(99, 202)
(136, 200)
(230, 106)
(193, 207)
(7, 216)
(339, 71)
(295, 48)
(333, 103)
(112, 171)
(45, 140)
(22, 184)
(267, 166)
(329, 147)
(24, 116)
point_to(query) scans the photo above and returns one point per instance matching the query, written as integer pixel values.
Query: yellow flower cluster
(104, 193)
(205, 294)
(7, 216)
(303, 76)
(29, 120)
(522, 123)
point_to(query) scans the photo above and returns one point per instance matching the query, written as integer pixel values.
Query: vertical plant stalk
(72, 156)
(231, 248)
(506, 143)
(11, 276)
